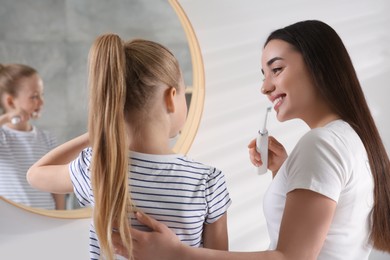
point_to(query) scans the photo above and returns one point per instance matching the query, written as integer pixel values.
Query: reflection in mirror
(55, 36)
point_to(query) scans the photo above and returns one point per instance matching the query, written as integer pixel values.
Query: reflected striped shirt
(18, 151)
(173, 189)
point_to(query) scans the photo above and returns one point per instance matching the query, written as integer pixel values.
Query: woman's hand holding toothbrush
(276, 154)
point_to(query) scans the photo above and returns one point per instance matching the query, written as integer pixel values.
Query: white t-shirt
(332, 161)
(18, 151)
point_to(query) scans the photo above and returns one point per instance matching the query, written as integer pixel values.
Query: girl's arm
(4, 118)
(304, 227)
(59, 200)
(215, 235)
(51, 172)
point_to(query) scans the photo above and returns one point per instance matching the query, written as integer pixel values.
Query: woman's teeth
(277, 100)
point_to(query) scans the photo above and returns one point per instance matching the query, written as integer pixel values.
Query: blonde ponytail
(107, 131)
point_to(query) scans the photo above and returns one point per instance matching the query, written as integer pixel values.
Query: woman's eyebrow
(269, 63)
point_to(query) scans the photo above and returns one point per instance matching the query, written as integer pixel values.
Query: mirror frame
(190, 127)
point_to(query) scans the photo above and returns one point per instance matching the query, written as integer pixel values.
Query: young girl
(330, 198)
(22, 144)
(137, 103)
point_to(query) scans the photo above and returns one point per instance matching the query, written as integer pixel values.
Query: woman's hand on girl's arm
(161, 243)
(51, 172)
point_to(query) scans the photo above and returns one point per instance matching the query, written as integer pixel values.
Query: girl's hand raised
(276, 154)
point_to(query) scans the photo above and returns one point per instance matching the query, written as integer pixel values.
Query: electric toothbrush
(16, 119)
(262, 144)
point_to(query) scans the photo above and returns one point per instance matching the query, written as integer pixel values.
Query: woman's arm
(51, 172)
(215, 235)
(306, 220)
(303, 230)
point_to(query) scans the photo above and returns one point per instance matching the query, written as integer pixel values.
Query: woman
(330, 197)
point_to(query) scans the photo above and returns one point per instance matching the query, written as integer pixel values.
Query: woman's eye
(276, 70)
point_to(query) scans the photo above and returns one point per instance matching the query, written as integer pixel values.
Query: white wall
(26, 235)
(231, 34)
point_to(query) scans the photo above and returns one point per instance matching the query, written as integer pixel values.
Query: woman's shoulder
(336, 141)
(337, 133)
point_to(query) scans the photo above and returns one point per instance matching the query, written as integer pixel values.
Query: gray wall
(54, 36)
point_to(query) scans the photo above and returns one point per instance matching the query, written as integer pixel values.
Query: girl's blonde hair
(10, 74)
(123, 78)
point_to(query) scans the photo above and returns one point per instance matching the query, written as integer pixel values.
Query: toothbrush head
(15, 120)
(265, 119)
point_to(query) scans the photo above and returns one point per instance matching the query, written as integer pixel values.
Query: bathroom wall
(54, 36)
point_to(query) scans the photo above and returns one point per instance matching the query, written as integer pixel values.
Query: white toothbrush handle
(15, 120)
(262, 148)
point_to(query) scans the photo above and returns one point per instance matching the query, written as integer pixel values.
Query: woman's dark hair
(335, 78)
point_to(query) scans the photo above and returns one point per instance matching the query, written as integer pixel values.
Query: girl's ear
(169, 96)
(8, 101)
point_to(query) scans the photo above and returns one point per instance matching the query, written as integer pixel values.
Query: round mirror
(55, 37)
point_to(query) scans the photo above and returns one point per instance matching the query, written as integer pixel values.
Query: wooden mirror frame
(190, 128)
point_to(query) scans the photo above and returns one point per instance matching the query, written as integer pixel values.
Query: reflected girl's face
(287, 82)
(29, 97)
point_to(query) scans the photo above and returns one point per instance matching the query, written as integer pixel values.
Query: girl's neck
(150, 140)
(151, 147)
(24, 127)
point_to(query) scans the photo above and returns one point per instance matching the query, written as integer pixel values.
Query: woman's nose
(267, 87)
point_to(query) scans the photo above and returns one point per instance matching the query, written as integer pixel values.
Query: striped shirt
(173, 189)
(18, 151)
